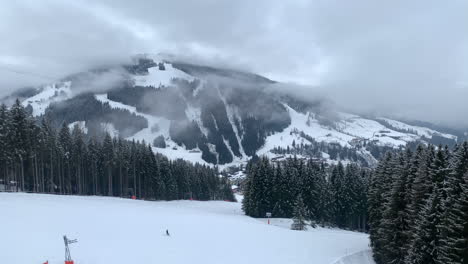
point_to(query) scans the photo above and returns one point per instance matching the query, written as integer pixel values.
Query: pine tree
(414, 165)
(454, 227)
(425, 246)
(226, 190)
(362, 202)
(260, 192)
(5, 150)
(299, 215)
(78, 151)
(247, 205)
(422, 183)
(395, 223)
(65, 147)
(378, 192)
(19, 142)
(309, 190)
(324, 204)
(108, 155)
(287, 188)
(93, 161)
(49, 155)
(456, 244)
(339, 191)
(171, 185)
(352, 187)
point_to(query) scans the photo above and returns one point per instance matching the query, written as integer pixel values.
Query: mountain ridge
(217, 116)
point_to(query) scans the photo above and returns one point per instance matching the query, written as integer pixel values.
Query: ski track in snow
(123, 231)
(231, 116)
(194, 114)
(360, 257)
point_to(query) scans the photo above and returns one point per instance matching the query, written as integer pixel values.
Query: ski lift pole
(68, 259)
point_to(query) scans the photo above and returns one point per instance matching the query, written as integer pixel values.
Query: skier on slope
(167, 232)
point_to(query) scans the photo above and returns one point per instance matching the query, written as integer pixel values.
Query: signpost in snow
(268, 215)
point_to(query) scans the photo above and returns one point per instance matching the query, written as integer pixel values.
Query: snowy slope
(157, 77)
(303, 123)
(157, 126)
(50, 93)
(347, 131)
(122, 231)
(360, 257)
(420, 131)
(373, 130)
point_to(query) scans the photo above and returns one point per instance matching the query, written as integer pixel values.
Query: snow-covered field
(123, 231)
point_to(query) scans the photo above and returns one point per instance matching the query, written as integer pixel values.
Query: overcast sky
(399, 58)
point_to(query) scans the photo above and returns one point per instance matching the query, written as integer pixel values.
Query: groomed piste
(122, 231)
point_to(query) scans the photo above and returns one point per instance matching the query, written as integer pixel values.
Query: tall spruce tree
(299, 215)
(108, 159)
(309, 190)
(425, 244)
(395, 223)
(378, 192)
(454, 227)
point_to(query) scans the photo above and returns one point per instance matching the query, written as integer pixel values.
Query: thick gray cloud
(402, 58)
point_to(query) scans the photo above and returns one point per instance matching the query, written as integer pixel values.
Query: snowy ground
(123, 231)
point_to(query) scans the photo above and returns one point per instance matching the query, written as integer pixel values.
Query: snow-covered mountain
(216, 116)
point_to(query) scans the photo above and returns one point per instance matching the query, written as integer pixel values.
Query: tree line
(37, 157)
(418, 206)
(333, 195)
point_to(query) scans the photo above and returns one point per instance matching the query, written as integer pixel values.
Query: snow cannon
(67, 242)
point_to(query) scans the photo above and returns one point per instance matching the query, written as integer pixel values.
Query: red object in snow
(69, 262)
(133, 198)
(47, 262)
(268, 220)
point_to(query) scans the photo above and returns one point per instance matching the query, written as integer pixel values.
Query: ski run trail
(124, 231)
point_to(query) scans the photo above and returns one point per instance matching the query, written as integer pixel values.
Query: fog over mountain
(398, 58)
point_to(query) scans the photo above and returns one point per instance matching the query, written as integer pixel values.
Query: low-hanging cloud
(407, 59)
(99, 81)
